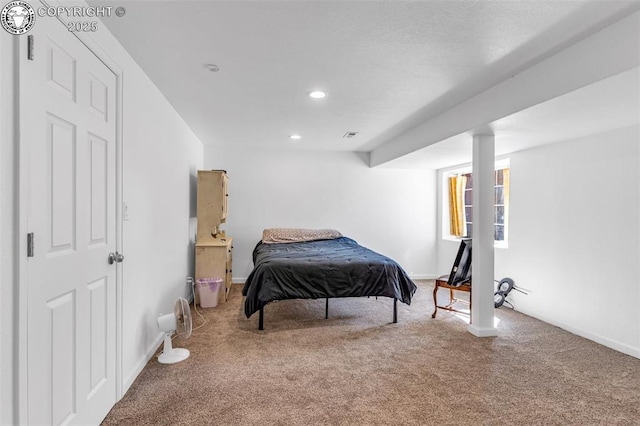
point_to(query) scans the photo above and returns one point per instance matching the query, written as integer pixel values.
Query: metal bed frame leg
(326, 313)
(395, 310)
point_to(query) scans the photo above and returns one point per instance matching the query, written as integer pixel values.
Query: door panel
(67, 113)
(98, 162)
(61, 69)
(62, 342)
(98, 305)
(61, 196)
(98, 97)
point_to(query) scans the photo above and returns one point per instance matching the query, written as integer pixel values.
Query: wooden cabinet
(213, 247)
(211, 203)
(213, 260)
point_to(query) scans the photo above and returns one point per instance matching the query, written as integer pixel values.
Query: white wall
(574, 236)
(389, 211)
(160, 158)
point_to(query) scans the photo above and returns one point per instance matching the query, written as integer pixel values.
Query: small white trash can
(208, 289)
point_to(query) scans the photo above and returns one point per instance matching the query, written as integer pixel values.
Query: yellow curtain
(457, 221)
(505, 182)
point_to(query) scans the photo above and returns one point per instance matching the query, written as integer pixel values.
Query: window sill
(496, 244)
(501, 244)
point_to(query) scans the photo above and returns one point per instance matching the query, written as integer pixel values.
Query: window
(461, 204)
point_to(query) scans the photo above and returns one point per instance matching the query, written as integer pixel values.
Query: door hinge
(30, 47)
(30, 244)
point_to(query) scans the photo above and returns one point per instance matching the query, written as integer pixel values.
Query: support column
(482, 323)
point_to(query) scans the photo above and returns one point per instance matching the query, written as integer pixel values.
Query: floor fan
(180, 323)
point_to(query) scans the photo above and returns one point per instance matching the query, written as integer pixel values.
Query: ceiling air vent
(349, 134)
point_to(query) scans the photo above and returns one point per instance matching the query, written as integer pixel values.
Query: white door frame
(24, 173)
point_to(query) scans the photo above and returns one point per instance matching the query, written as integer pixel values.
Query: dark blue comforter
(321, 269)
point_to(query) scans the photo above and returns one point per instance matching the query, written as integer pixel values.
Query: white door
(67, 123)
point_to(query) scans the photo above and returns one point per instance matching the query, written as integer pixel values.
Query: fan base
(174, 355)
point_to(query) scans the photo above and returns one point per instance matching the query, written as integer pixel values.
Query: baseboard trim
(482, 332)
(423, 277)
(143, 362)
(617, 346)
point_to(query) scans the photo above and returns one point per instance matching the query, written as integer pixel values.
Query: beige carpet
(357, 368)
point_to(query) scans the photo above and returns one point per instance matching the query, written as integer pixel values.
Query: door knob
(115, 258)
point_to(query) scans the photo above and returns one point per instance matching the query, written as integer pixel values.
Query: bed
(320, 264)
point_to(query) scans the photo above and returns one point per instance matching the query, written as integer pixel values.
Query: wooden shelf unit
(213, 247)
(211, 203)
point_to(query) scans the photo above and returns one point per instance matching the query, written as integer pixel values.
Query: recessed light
(211, 67)
(317, 94)
(295, 137)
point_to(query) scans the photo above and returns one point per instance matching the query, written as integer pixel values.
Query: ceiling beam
(613, 50)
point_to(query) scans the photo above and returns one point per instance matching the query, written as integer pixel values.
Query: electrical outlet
(125, 211)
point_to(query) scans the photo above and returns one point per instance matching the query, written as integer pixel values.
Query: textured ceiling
(387, 65)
